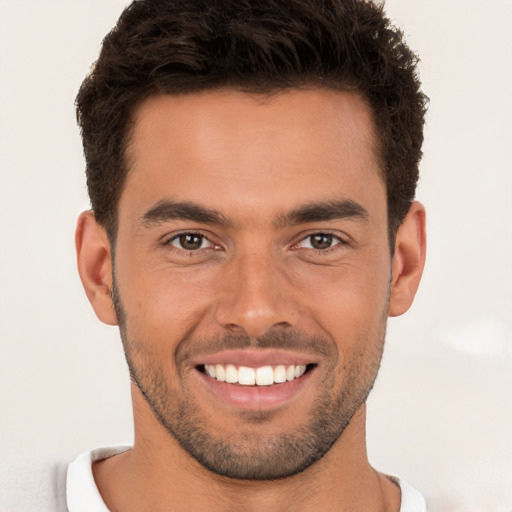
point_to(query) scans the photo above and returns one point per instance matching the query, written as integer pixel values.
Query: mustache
(291, 340)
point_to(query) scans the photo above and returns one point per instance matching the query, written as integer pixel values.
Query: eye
(190, 242)
(319, 241)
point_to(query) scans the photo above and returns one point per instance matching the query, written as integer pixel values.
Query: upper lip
(254, 359)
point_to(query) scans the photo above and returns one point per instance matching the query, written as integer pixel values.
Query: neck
(158, 475)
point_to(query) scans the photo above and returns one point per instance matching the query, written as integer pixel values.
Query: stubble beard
(249, 455)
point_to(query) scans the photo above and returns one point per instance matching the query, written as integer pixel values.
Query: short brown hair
(185, 46)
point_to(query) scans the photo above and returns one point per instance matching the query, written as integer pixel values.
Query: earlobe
(408, 260)
(94, 266)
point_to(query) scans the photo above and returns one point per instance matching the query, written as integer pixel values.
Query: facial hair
(249, 454)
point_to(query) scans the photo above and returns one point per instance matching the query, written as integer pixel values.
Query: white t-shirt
(83, 495)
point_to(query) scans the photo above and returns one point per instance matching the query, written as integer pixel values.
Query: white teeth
(280, 374)
(220, 373)
(265, 376)
(246, 376)
(299, 370)
(231, 374)
(262, 376)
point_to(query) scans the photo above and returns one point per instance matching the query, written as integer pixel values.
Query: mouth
(255, 381)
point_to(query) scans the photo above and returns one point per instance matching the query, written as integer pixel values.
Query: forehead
(237, 149)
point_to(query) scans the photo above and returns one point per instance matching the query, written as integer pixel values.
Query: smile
(260, 376)
(255, 379)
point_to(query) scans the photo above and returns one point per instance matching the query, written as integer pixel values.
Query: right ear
(95, 266)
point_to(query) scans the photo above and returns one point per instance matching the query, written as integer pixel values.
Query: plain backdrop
(441, 412)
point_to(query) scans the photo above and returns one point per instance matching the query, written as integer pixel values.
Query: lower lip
(256, 398)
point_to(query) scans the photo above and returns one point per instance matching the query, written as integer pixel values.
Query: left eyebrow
(324, 211)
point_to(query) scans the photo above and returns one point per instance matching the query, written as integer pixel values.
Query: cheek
(163, 305)
(349, 299)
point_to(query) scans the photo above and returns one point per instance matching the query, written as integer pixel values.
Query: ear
(94, 266)
(408, 260)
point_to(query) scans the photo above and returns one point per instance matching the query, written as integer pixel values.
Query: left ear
(408, 260)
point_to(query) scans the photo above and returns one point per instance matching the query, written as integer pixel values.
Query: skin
(253, 160)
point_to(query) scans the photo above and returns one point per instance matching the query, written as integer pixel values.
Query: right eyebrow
(166, 210)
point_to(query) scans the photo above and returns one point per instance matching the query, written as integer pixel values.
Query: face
(252, 273)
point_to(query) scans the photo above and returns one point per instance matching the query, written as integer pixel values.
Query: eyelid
(169, 238)
(177, 239)
(341, 240)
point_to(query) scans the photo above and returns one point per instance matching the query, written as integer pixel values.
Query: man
(252, 169)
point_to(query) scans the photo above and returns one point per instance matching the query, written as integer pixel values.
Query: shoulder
(412, 499)
(82, 492)
(33, 485)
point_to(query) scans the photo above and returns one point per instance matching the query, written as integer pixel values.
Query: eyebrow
(171, 210)
(167, 210)
(323, 211)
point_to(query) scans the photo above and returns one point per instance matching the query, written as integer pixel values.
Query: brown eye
(321, 241)
(189, 241)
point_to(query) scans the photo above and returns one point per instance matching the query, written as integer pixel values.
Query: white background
(441, 412)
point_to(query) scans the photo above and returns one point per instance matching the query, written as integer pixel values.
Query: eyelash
(190, 234)
(336, 242)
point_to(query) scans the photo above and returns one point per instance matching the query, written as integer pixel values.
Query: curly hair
(186, 46)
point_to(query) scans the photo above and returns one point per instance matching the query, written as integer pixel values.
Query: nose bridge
(255, 298)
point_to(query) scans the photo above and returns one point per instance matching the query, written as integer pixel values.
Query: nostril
(233, 328)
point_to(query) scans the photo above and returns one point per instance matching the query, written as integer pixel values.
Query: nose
(255, 297)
